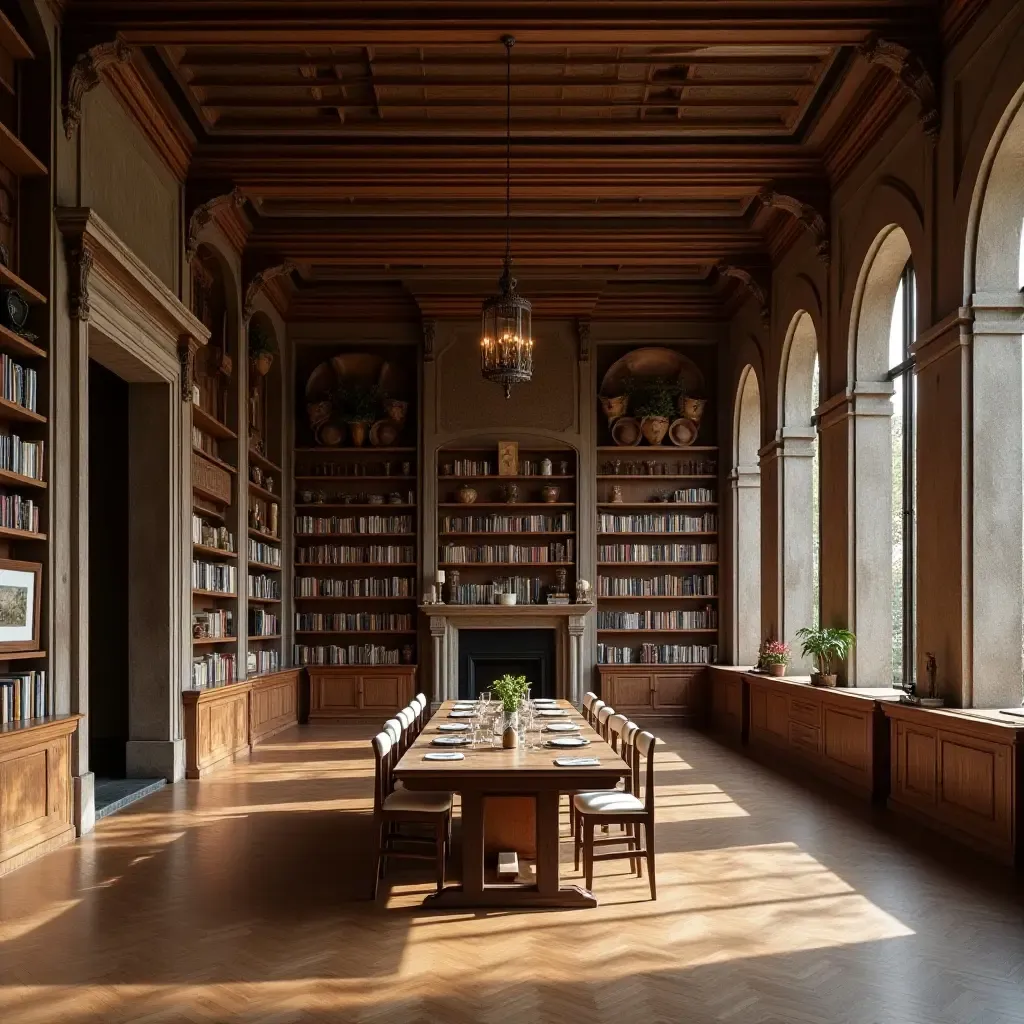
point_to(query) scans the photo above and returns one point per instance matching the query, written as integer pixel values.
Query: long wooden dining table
(488, 771)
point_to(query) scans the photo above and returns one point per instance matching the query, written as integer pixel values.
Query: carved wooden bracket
(203, 214)
(259, 282)
(751, 286)
(85, 76)
(583, 337)
(429, 334)
(187, 349)
(812, 221)
(79, 267)
(912, 76)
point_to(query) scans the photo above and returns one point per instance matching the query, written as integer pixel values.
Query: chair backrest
(602, 720)
(615, 726)
(421, 699)
(417, 720)
(407, 718)
(629, 735)
(588, 698)
(644, 748)
(382, 786)
(393, 727)
(594, 710)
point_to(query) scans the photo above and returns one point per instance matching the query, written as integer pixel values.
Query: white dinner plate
(544, 700)
(553, 712)
(444, 755)
(577, 762)
(449, 741)
(569, 741)
(561, 727)
(453, 727)
(464, 705)
(460, 714)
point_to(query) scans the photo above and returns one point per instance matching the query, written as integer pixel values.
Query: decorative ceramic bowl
(683, 432)
(626, 431)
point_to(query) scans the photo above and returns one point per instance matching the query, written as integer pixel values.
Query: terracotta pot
(396, 410)
(263, 362)
(467, 494)
(818, 679)
(691, 408)
(359, 432)
(549, 493)
(626, 431)
(683, 432)
(614, 407)
(318, 413)
(654, 428)
(776, 670)
(383, 434)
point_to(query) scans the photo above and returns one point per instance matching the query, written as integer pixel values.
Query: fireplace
(487, 654)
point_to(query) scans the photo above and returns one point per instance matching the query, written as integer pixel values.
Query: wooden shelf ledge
(15, 155)
(12, 280)
(211, 425)
(18, 480)
(13, 411)
(215, 552)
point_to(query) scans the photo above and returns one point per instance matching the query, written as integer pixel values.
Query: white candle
(439, 577)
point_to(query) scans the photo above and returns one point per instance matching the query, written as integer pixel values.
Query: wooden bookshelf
(491, 524)
(342, 492)
(653, 647)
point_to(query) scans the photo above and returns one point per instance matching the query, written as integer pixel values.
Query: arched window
(902, 332)
(745, 486)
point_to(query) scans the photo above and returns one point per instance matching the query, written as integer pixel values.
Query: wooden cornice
(273, 281)
(236, 228)
(748, 286)
(85, 74)
(802, 217)
(956, 19)
(911, 75)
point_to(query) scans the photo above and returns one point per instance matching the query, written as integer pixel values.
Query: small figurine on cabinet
(582, 592)
(407, 654)
(617, 494)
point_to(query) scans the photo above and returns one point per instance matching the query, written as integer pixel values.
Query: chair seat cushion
(607, 801)
(411, 801)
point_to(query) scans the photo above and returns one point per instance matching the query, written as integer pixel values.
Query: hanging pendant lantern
(506, 327)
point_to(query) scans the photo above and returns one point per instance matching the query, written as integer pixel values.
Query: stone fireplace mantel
(568, 621)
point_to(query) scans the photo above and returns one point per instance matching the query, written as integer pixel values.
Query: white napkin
(449, 755)
(576, 762)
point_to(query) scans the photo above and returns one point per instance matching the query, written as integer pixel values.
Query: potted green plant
(358, 405)
(773, 657)
(511, 691)
(261, 348)
(653, 399)
(827, 646)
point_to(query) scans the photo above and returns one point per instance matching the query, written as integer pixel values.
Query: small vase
(692, 408)
(614, 407)
(654, 428)
(545, 467)
(358, 432)
(263, 362)
(467, 494)
(549, 493)
(510, 735)
(777, 669)
(396, 410)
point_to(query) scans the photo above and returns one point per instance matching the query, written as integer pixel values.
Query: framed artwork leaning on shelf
(20, 600)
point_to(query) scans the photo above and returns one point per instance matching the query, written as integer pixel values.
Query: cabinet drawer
(805, 737)
(805, 712)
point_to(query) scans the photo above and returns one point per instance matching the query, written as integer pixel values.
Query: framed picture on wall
(20, 601)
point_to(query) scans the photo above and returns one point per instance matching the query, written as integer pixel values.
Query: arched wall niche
(745, 516)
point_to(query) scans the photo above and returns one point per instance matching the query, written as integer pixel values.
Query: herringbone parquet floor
(241, 899)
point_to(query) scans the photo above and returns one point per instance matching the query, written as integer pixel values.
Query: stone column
(745, 503)
(788, 462)
(577, 628)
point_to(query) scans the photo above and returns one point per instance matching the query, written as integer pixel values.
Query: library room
(511, 514)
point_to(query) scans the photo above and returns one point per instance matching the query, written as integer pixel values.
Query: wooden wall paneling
(358, 691)
(35, 789)
(216, 727)
(727, 704)
(274, 704)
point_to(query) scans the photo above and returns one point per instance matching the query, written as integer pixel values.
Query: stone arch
(745, 508)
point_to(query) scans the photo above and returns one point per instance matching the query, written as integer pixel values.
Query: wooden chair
(594, 709)
(615, 807)
(408, 720)
(603, 715)
(616, 726)
(394, 807)
(393, 727)
(418, 720)
(588, 698)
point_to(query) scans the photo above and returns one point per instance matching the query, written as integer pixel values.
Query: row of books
(703, 618)
(469, 467)
(527, 591)
(658, 654)
(344, 554)
(205, 443)
(657, 523)
(25, 695)
(217, 576)
(261, 663)
(694, 585)
(266, 587)
(212, 535)
(263, 623)
(692, 494)
(338, 621)
(320, 525)
(217, 622)
(18, 513)
(561, 551)
(268, 554)
(24, 457)
(354, 654)
(20, 384)
(212, 668)
(657, 552)
(506, 524)
(389, 586)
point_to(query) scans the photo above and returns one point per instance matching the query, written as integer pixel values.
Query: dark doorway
(487, 654)
(108, 571)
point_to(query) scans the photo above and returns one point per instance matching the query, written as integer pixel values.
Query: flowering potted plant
(774, 656)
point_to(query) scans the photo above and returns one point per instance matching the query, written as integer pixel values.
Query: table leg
(472, 844)
(548, 882)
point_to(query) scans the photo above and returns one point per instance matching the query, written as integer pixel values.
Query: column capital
(438, 625)
(577, 624)
(862, 398)
(745, 476)
(790, 442)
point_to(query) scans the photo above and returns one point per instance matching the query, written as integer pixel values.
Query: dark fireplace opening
(487, 654)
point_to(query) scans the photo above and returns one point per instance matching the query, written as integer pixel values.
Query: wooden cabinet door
(677, 691)
(332, 694)
(627, 691)
(385, 692)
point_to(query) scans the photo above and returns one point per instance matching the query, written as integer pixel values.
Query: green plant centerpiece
(653, 400)
(358, 405)
(828, 646)
(511, 691)
(261, 348)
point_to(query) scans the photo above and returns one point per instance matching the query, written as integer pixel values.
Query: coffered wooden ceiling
(367, 138)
